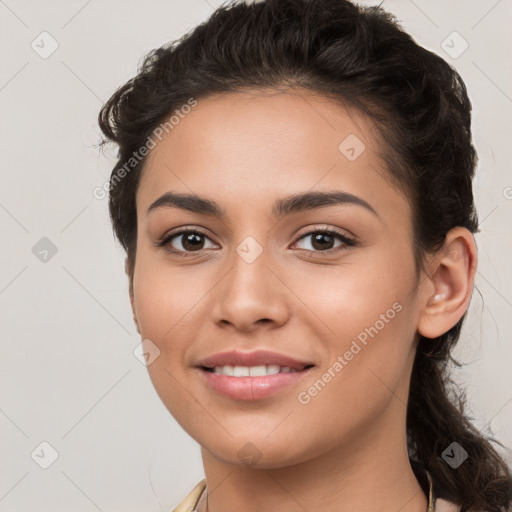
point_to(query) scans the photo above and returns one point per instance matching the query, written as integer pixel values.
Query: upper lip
(255, 358)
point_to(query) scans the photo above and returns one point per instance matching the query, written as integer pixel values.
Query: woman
(294, 196)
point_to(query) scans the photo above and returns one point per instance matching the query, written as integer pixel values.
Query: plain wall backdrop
(68, 374)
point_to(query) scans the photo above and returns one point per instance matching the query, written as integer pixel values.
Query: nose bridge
(249, 263)
(249, 291)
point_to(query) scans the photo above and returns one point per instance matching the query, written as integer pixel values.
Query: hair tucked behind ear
(419, 103)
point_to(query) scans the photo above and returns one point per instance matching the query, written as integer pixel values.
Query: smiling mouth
(253, 371)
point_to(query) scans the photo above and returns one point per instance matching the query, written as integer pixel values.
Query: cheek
(368, 314)
(166, 300)
(362, 291)
(367, 372)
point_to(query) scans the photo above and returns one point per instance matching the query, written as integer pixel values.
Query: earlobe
(447, 288)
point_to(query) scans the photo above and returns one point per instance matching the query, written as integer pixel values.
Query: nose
(251, 294)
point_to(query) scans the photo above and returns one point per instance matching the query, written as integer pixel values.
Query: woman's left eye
(322, 240)
(193, 240)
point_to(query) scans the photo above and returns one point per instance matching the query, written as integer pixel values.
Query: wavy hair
(357, 55)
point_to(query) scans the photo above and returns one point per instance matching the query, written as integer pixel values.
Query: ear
(446, 289)
(132, 300)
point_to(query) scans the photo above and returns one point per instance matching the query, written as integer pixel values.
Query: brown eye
(323, 240)
(192, 241)
(185, 241)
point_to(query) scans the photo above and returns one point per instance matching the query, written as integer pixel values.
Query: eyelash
(347, 242)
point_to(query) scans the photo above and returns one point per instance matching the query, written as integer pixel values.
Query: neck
(371, 472)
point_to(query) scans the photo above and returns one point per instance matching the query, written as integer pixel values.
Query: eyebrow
(293, 203)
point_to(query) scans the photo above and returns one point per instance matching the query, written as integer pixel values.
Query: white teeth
(272, 369)
(253, 371)
(258, 371)
(240, 371)
(225, 370)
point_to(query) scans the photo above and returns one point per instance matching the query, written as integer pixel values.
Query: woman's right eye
(190, 240)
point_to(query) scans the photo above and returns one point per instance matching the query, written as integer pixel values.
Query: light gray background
(68, 375)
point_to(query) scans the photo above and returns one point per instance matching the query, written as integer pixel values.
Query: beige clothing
(190, 502)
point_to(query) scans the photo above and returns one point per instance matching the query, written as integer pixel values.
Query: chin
(256, 452)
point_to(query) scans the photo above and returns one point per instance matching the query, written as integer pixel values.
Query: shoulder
(190, 501)
(441, 505)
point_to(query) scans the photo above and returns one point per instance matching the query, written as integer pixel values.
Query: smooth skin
(345, 449)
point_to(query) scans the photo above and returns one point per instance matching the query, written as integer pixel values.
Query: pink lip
(251, 388)
(255, 358)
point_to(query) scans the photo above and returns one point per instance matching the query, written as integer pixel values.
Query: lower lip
(252, 388)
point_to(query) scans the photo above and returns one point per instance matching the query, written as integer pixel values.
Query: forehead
(259, 144)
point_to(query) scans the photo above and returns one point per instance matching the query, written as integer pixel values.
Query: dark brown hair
(359, 56)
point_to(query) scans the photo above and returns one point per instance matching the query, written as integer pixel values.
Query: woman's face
(264, 277)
